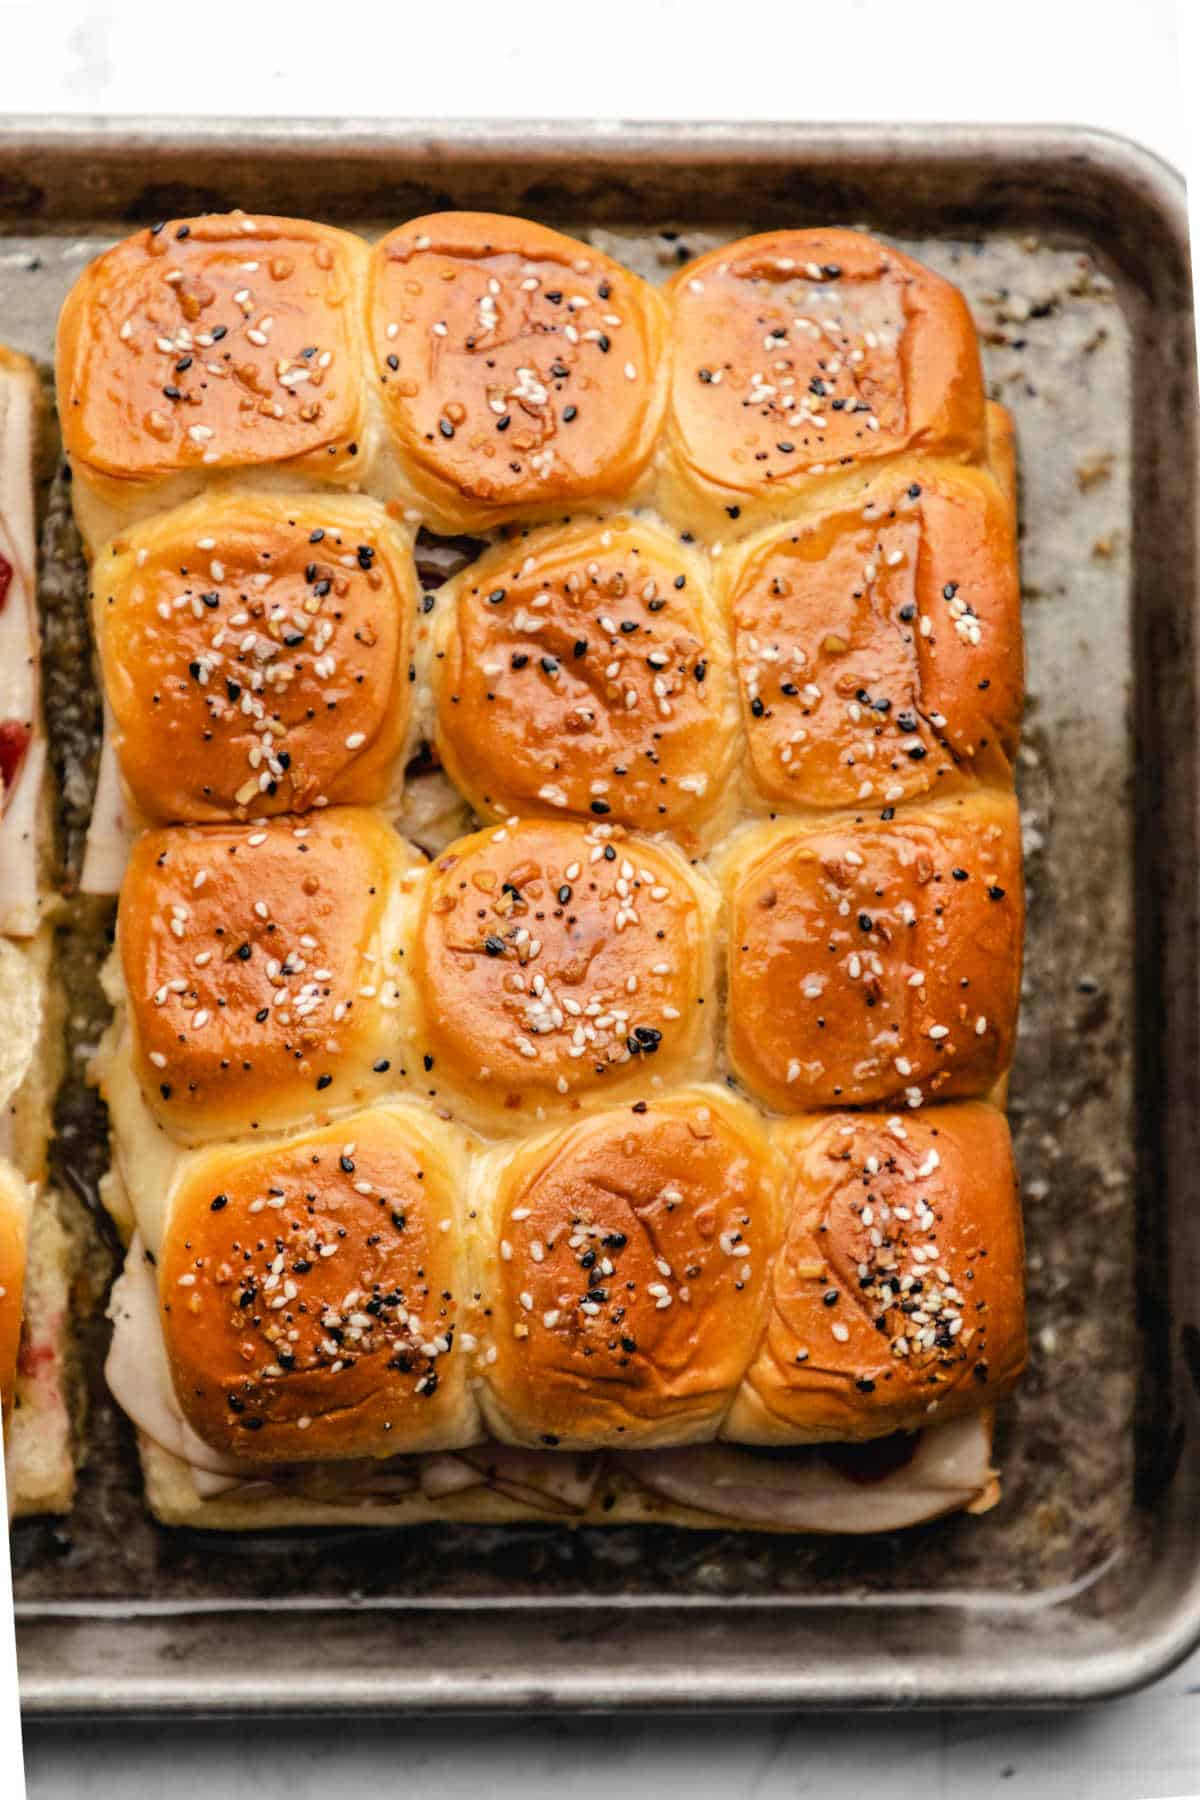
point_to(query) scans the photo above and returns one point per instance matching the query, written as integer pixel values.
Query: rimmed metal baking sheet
(1085, 1581)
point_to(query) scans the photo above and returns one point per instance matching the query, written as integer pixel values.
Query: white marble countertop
(1040, 60)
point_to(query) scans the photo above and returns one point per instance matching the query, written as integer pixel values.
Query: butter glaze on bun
(878, 643)
(210, 347)
(311, 1292)
(624, 1264)
(257, 969)
(803, 356)
(556, 963)
(255, 654)
(876, 961)
(520, 370)
(897, 1296)
(585, 670)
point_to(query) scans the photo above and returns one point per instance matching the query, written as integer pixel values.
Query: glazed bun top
(257, 961)
(520, 370)
(556, 963)
(876, 959)
(585, 670)
(214, 344)
(311, 1291)
(897, 1297)
(878, 643)
(807, 353)
(255, 653)
(624, 1266)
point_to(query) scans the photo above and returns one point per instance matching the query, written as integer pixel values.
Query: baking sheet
(1072, 251)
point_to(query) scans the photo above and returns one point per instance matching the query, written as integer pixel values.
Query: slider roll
(897, 1295)
(625, 1265)
(310, 1293)
(257, 969)
(556, 964)
(876, 959)
(255, 651)
(217, 348)
(878, 643)
(585, 670)
(802, 359)
(521, 372)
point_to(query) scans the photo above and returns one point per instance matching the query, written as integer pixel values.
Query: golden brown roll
(208, 348)
(258, 969)
(623, 1265)
(803, 355)
(878, 642)
(310, 1292)
(557, 962)
(1002, 456)
(897, 1296)
(521, 372)
(876, 958)
(585, 670)
(15, 1204)
(255, 651)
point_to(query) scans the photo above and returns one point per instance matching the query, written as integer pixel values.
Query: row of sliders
(475, 368)
(274, 654)
(299, 1320)
(266, 974)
